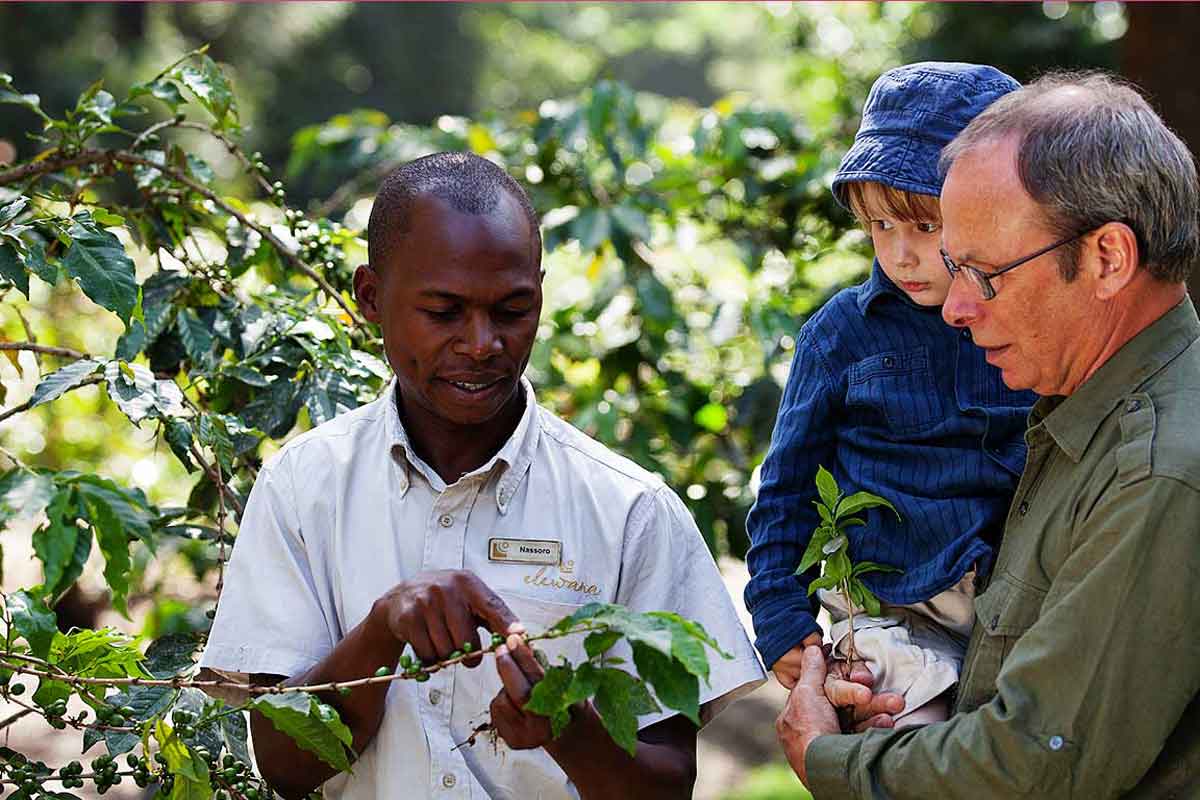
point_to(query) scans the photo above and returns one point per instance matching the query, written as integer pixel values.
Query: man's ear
(1117, 259)
(366, 291)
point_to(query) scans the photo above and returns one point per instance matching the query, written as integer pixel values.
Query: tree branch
(63, 352)
(28, 404)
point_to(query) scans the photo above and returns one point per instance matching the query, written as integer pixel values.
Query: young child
(892, 401)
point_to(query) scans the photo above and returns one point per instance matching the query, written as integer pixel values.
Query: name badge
(525, 551)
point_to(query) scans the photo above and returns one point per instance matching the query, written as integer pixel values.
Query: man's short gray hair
(1092, 150)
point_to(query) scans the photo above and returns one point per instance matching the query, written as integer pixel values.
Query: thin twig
(45, 349)
(331, 686)
(10, 719)
(29, 334)
(28, 404)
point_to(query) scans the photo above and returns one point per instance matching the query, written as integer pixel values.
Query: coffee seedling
(830, 547)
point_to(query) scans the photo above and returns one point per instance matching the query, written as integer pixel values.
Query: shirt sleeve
(1086, 698)
(783, 517)
(667, 567)
(270, 618)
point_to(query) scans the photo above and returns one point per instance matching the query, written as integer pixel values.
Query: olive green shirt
(1082, 673)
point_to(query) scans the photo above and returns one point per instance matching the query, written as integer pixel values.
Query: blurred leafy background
(680, 155)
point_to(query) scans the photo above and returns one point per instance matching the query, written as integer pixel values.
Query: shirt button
(1023, 508)
(445, 520)
(435, 697)
(966, 334)
(889, 362)
(449, 780)
(1133, 405)
(1056, 742)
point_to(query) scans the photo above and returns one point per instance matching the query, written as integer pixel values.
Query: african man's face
(458, 301)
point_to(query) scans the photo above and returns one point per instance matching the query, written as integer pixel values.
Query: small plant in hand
(830, 547)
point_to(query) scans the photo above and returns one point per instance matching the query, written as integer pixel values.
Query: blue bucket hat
(911, 113)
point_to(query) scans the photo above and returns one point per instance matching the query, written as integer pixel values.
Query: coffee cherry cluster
(117, 717)
(69, 775)
(104, 773)
(27, 775)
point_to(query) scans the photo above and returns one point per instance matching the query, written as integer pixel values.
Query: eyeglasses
(983, 280)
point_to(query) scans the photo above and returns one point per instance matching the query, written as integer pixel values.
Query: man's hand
(850, 691)
(808, 713)
(519, 671)
(787, 668)
(438, 612)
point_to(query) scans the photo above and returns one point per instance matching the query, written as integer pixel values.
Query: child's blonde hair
(870, 199)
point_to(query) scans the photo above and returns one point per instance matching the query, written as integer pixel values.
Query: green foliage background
(189, 301)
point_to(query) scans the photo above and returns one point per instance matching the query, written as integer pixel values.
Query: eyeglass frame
(984, 279)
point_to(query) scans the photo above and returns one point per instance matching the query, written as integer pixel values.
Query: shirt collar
(879, 285)
(512, 459)
(1074, 420)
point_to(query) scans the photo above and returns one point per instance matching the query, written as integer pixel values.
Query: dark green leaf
(171, 655)
(55, 542)
(827, 487)
(823, 582)
(299, 716)
(655, 298)
(130, 505)
(673, 684)
(632, 221)
(139, 395)
(600, 642)
(210, 87)
(35, 260)
(860, 501)
(197, 337)
(11, 96)
(871, 566)
(24, 493)
(64, 380)
(248, 376)
(179, 438)
(867, 598)
(13, 269)
(549, 697)
(620, 700)
(11, 210)
(114, 545)
(234, 732)
(813, 553)
(32, 620)
(592, 228)
(162, 89)
(97, 260)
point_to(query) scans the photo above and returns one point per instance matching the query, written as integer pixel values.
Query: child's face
(908, 250)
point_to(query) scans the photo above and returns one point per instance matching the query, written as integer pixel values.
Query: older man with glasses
(1082, 674)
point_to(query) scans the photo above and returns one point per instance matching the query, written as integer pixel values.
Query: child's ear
(1115, 254)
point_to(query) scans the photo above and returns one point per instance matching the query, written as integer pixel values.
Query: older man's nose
(961, 307)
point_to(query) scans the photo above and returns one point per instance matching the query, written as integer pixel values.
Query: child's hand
(787, 668)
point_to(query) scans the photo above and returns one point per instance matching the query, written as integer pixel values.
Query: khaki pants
(913, 650)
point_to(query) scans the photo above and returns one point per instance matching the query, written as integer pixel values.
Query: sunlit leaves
(24, 493)
(57, 383)
(313, 725)
(32, 620)
(96, 259)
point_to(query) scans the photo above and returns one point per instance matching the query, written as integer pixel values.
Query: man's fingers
(516, 684)
(877, 721)
(843, 693)
(523, 655)
(812, 668)
(418, 638)
(463, 630)
(888, 703)
(488, 607)
(860, 673)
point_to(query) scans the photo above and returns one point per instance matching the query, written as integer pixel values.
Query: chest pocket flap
(897, 389)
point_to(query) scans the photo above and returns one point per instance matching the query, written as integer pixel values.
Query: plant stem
(851, 652)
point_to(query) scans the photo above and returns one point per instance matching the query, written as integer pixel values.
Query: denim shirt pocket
(1003, 613)
(896, 391)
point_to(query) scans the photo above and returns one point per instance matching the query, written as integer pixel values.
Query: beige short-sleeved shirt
(347, 510)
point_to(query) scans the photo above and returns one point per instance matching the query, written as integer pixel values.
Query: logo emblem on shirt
(525, 551)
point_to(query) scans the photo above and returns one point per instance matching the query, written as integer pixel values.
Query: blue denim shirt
(894, 401)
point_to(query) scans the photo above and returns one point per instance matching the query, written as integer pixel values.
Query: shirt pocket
(896, 392)
(538, 615)
(1003, 613)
